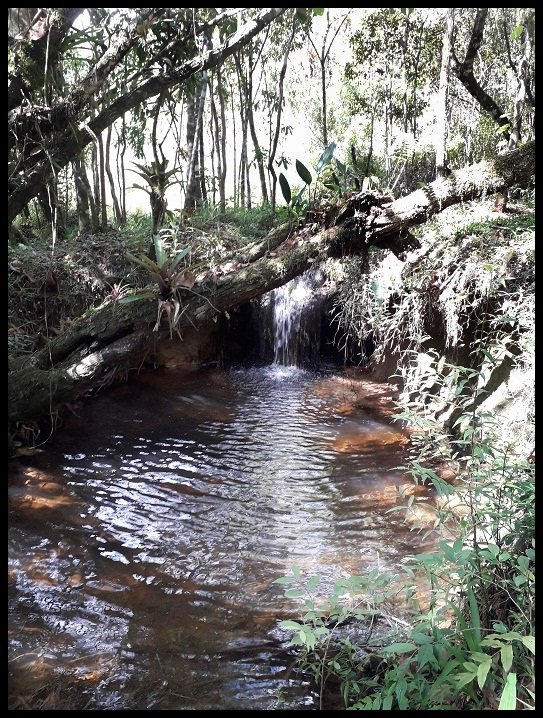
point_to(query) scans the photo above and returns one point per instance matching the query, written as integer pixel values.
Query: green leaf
(293, 593)
(317, 10)
(179, 256)
(313, 582)
(517, 32)
(144, 261)
(285, 188)
(463, 679)
(475, 620)
(449, 668)
(138, 186)
(159, 250)
(136, 297)
(290, 625)
(507, 636)
(309, 637)
(425, 655)
(482, 672)
(321, 631)
(508, 701)
(491, 643)
(285, 580)
(297, 201)
(387, 703)
(399, 648)
(494, 550)
(326, 157)
(304, 173)
(341, 167)
(529, 642)
(144, 169)
(421, 638)
(499, 627)
(506, 656)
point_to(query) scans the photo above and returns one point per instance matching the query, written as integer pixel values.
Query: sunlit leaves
(508, 700)
(517, 32)
(506, 657)
(529, 642)
(326, 157)
(399, 648)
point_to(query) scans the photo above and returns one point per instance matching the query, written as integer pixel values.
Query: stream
(144, 541)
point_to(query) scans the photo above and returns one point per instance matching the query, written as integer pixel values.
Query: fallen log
(117, 336)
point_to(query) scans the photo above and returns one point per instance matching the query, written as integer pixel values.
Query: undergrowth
(459, 317)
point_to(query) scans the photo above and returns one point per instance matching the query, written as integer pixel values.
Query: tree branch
(464, 72)
(63, 147)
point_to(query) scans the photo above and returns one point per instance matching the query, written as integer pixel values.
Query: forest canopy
(211, 100)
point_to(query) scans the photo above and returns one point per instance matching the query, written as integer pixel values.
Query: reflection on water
(143, 544)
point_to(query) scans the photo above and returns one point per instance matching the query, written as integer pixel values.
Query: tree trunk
(121, 173)
(96, 184)
(259, 157)
(275, 139)
(217, 140)
(222, 115)
(442, 109)
(234, 149)
(103, 203)
(195, 118)
(51, 209)
(523, 81)
(116, 336)
(370, 152)
(202, 174)
(212, 122)
(116, 207)
(243, 163)
(82, 197)
(323, 56)
(35, 39)
(324, 108)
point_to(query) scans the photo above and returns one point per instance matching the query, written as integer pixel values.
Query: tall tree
(442, 96)
(323, 55)
(222, 140)
(278, 103)
(195, 119)
(259, 154)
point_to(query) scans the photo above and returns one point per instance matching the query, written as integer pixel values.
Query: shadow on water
(144, 542)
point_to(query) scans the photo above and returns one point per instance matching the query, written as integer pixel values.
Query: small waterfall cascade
(292, 319)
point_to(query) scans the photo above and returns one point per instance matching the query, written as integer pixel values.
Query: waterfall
(288, 304)
(292, 318)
